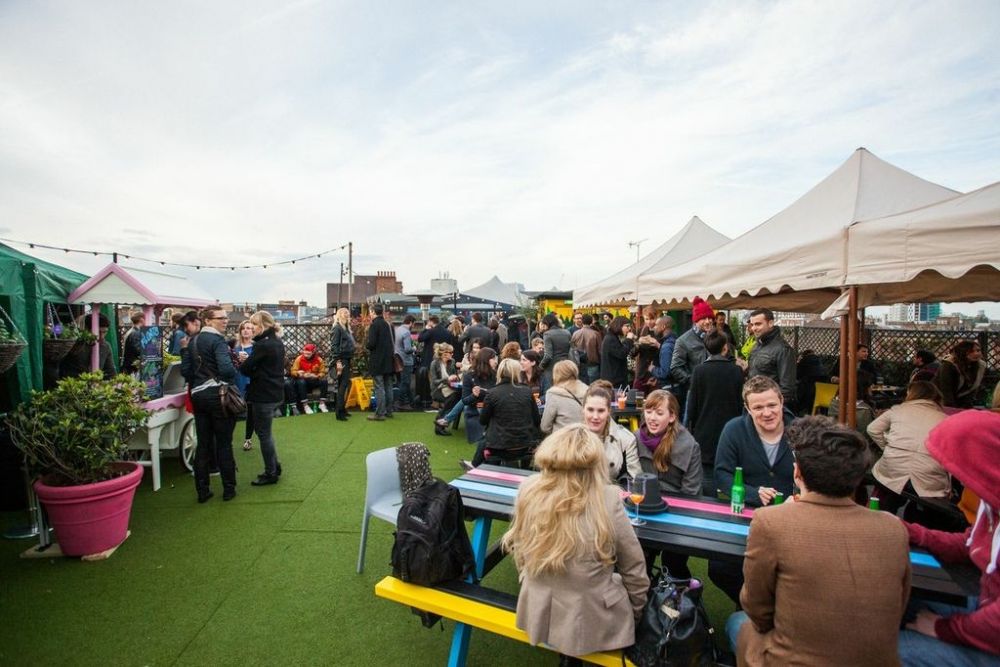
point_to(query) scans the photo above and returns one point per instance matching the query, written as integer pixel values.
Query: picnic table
(703, 527)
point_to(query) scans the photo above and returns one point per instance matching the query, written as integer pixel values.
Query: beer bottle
(873, 503)
(779, 498)
(737, 493)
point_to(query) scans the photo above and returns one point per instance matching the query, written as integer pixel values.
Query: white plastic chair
(383, 495)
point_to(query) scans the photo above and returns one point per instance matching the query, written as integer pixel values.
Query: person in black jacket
(715, 397)
(615, 349)
(381, 343)
(207, 365)
(477, 329)
(342, 348)
(510, 414)
(756, 442)
(434, 332)
(132, 345)
(265, 393)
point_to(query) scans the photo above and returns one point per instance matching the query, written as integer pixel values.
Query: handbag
(230, 398)
(674, 628)
(397, 363)
(233, 403)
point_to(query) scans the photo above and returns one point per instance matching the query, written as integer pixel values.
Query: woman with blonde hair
(619, 443)
(266, 391)
(564, 401)
(443, 378)
(342, 347)
(568, 536)
(242, 350)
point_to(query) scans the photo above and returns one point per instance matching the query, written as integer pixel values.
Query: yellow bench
(468, 610)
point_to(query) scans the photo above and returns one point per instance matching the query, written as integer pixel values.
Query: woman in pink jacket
(968, 446)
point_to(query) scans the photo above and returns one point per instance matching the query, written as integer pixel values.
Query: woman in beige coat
(564, 401)
(905, 463)
(568, 535)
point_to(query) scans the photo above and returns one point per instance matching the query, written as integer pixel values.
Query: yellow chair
(824, 394)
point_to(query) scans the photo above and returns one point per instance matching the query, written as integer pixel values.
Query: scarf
(649, 440)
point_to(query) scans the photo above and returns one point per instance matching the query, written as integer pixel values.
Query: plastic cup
(621, 402)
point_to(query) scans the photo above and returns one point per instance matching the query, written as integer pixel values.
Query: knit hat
(308, 347)
(701, 310)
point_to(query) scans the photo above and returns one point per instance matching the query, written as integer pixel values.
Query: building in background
(363, 289)
(914, 312)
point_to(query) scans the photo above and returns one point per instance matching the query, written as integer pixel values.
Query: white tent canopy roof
(949, 251)
(796, 260)
(694, 239)
(496, 290)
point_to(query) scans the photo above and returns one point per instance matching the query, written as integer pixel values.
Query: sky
(529, 140)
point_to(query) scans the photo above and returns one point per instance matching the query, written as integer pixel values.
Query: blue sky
(530, 140)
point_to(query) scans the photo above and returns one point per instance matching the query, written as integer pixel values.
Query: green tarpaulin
(26, 284)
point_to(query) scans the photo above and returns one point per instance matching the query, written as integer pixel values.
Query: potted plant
(76, 436)
(58, 339)
(12, 344)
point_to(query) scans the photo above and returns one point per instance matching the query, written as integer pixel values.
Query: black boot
(441, 430)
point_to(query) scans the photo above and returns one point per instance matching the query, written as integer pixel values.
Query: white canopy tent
(796, 260)
(694, 239)
(949, 251)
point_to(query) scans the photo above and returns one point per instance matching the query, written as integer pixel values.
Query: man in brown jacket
(587, 340)
(826, 580)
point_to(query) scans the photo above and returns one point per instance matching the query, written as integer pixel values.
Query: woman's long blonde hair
(265, 320)
(343, 317)
(561, 513)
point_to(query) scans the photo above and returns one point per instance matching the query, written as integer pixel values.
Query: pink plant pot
(91, 518)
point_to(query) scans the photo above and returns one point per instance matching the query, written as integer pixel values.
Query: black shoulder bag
(230, 398)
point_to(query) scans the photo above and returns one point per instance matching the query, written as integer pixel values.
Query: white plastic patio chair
(383, 495)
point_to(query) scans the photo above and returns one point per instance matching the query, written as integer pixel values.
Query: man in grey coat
(689, 350)
(772, 355)
(404, 349)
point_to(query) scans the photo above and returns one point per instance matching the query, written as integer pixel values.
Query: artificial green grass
(268, 578)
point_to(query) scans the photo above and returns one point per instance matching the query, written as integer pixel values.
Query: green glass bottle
(779, 498)
(873, 503)
(737, 493)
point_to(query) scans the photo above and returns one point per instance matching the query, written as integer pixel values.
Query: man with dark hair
(926, 366)
(771, 355)
(435, 331)
(824, 577)
(77, 361)
(587, 340)
(132, 344)
(403, 348)
(557, 345)
(577, 323)
(715, 397)
(477, 330)
(380, 344)
(663, 331)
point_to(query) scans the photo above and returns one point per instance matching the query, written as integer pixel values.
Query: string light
(161, 262)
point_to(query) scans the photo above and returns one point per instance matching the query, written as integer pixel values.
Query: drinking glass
(637, 493)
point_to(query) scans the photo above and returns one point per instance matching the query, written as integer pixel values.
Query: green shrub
(77, 431)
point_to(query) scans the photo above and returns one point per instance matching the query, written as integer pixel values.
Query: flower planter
(91, 518)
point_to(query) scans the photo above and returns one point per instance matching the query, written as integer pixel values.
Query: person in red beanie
(689, 350)
(309, 372)
(967, 445)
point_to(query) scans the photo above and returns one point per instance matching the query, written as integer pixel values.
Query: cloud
(529, 144)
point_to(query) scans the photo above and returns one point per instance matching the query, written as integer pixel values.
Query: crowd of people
(708, 409)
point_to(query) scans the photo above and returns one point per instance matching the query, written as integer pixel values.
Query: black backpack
(432, 545)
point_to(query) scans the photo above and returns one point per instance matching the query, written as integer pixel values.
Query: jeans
(918, 649)
(304, 385)
(248, 429)
(215, 436)
(727, 575)
(474, 431)
(404, 396)
(733, 624)
(383, 394)
(343, 386)
(454, 413)
(263, 417)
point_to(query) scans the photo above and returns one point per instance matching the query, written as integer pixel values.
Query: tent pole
(852, 353)
(95, 350)
(842, 371)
